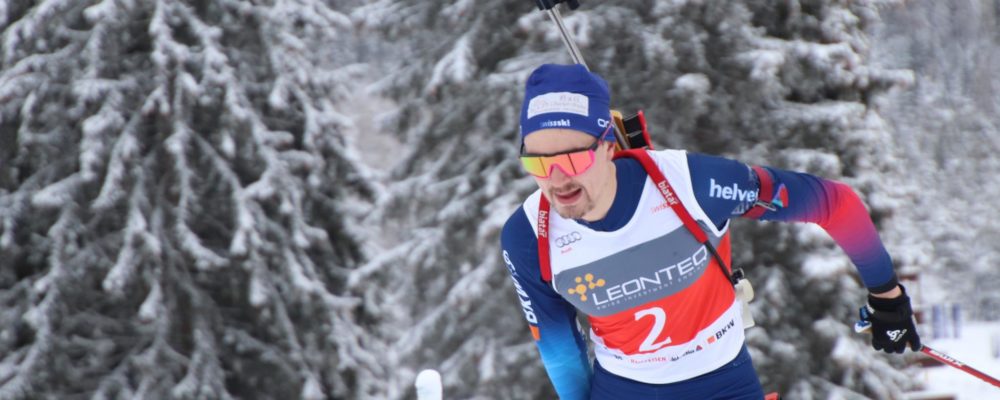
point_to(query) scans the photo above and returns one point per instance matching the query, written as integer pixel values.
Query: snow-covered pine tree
(785, 84)
(172, 175)
(948, 128)
(797, 92)
(434, 282)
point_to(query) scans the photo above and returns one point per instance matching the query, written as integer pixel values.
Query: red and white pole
(949, 360)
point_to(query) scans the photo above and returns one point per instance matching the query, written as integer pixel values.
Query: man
(664, 317)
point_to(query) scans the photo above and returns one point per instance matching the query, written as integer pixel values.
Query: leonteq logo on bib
(730, 192)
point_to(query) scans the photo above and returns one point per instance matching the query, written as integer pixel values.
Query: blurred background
(302, 198)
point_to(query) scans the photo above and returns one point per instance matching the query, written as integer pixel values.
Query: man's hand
(892, 323)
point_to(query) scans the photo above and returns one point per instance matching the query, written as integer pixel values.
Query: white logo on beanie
(559, 102)
(559, 123)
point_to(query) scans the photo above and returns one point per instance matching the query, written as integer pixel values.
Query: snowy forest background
(302, 198)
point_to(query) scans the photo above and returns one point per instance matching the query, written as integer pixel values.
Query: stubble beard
(577, 210)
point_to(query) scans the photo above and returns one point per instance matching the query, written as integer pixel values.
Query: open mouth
(569, 197)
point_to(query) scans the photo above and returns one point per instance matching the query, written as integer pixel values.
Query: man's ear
(609, 150)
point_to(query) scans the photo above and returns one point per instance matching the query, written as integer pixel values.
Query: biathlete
(614, 235)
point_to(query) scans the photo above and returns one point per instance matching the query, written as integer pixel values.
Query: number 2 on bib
(659, 321)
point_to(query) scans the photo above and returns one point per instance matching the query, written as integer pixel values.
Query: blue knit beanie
(565, 96)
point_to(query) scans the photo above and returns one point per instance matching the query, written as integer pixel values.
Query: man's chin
(571, 212)
(579, 205)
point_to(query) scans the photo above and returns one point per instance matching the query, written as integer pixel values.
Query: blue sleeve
(724, 188)
(836, 208)
(551, 319)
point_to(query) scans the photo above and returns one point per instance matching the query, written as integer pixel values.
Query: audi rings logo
(567, 240)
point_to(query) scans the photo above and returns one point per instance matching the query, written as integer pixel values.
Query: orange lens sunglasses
(570, 162)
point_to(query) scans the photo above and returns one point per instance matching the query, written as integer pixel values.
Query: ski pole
(864, 326)
(551, 6)
(949, 360)
(621, 136)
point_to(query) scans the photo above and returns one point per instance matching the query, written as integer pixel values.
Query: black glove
(892, 323)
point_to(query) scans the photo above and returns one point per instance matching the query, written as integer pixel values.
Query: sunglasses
(570, 162)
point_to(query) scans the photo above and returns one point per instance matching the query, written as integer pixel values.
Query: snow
(825, 266)
(457, 66)
(765, 63)
(98, 11)
(57, 194)
(258, 291)
(152, 307)
(312, 390)
(694, 83)
(979, 348)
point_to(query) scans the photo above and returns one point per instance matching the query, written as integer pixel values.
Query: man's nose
(557, 175)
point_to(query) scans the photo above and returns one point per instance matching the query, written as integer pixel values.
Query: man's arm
(724, 187)
(551, 319)
(836, 208)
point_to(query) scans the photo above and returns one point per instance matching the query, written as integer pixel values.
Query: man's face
(573, 196)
